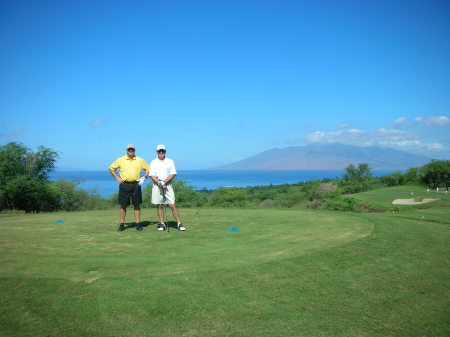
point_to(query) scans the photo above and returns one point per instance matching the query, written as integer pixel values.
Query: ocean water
(104, 184)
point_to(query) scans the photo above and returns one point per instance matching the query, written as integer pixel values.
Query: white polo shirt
(162, 168)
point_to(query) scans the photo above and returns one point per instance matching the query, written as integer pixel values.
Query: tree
(12, 161)
(356, 179)
(70, 198)
(43, 163)
(394, 179)
(436, 173)
(412, 175)
(24, 178)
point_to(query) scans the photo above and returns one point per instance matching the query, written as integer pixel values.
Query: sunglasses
(161, 151)
(130, 149)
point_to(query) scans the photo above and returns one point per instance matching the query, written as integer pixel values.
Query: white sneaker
(161, 227)
(180, 227)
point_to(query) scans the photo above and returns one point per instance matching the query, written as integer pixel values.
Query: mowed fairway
(284, 273)
(383, 197)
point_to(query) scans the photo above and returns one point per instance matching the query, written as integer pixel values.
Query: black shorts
(130, 191)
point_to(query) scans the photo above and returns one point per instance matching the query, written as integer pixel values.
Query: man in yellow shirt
(130, 181)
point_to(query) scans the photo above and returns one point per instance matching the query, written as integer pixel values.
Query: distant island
(328, 157)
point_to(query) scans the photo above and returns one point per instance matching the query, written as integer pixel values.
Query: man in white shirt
(162, 172)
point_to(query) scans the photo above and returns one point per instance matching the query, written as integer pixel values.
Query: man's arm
(170, 178)
(114, 174)
(146, 168)
(172, 171)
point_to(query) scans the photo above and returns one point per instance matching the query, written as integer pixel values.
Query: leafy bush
(395, 179)
(343, 204)
(315, 203)
(70, 197)
(268, 203)
(186, 196)
(294, 196)
(311, 189)
(227, 197)
(96, 202)
(257, 194)
(29, 194)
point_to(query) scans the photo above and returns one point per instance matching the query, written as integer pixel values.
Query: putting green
(87, 249)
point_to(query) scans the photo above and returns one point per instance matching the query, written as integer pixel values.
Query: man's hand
(162, 184)
(119, 180)
(141, 181)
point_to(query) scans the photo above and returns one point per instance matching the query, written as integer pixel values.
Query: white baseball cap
(131, 146)
(161, 147)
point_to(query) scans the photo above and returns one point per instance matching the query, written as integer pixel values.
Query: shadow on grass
(171, 224)
(143, 224)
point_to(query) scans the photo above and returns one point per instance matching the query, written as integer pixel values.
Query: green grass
(382, 198)
(288, 272)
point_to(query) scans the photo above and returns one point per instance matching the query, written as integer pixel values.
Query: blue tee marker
(233, 229)
(59, 221)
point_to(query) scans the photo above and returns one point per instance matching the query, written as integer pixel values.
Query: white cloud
(400, 120)
(401, 123)
(97, 122)
(344, 126)
(433, 121)
(435, 147)
(391, 138)
(355, 131)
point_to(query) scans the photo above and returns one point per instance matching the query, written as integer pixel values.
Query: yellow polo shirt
(130, 169)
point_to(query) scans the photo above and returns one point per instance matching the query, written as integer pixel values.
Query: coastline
(105, 185)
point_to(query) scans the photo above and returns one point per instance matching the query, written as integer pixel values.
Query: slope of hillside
(328, 157)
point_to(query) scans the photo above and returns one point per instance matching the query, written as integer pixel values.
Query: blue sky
(219, 81)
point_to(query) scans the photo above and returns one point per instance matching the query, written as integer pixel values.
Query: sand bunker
(411, 201)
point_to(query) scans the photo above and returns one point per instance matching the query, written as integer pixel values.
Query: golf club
(165, 209)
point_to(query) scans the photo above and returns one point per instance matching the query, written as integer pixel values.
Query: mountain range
(328, 157)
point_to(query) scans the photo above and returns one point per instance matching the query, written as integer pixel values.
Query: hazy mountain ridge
(328, 157)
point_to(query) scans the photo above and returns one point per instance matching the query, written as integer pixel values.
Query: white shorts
(162, 195)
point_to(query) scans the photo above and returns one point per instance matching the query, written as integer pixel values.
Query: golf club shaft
(165, 209)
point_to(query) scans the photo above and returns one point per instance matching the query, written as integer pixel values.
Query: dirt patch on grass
(365, 208)
(411, 201)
